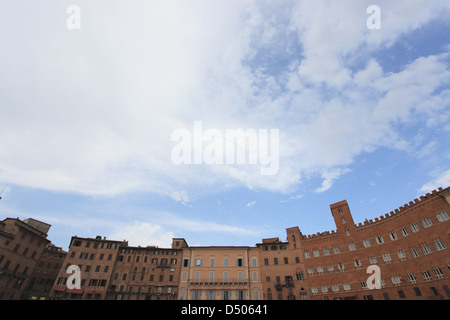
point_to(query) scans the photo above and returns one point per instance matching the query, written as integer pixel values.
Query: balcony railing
(218, 281)
(286, 283)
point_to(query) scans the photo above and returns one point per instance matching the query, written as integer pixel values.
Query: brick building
(146, 273)
(21, 246)
(45, 273)
(96, 259)
(409, 245)
(112, 270)
(222, 273)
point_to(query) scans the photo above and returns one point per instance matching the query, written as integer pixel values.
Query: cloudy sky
(87, 115)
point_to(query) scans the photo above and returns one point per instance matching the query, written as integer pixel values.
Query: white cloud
(329, 177)
(143, 234)
(180, 196)
(92, 111)
(441, 181)
(250, 204)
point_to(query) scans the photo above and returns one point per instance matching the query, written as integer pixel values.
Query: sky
(105, 107)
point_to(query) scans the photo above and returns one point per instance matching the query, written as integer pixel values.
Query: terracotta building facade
(21, 246)
(408, 245)
(400, 255)
(220, 273)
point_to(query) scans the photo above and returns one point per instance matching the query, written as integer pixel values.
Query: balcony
(214, 282)
(280, 284)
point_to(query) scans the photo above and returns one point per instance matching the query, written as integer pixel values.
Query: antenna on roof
(3, 190)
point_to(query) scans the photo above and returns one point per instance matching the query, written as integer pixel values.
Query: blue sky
(87, 114)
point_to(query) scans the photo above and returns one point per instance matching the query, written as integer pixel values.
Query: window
(426, 222)
(76, 243)
(84, 255)
(363, 285)
(433, 291)
(379, 239)
(211, 276)
(352, 246)
(414, 227)
(401, 254)
(254, 275)
(438, 273)
(198, 262)
(404, 231)
(372, 260)
(425, 248)
(185, 262)
(286, 261)
(401, 294)
(254, 264)
(300, 276)
(211, 261)
(324, 289)
(197, 276)
(386, 257)
(282, 247)
(366, 243)
(330, 268)
(347, 232)
(412, 277)
(310, 271)
(307, 254)
(240, 276)
(335, 288)
(225, 295)
(341, 266)
(340, 211)
(343, 220)
(196, 294)
(346, 287)
(336, 249)
(225, 262)
(275, 260)
(314, 290)
(239, 262)
(225, 276)
(396, 280)
(415, 252)
(393, 235)
(326, 252)
(241, 295)
(184, 275)
(316, 253)
(266, 261)
(357, 263)
(210, 295)
(426, 275)
(438, 244)
(320, 269)
(273, 248)
(442, 216)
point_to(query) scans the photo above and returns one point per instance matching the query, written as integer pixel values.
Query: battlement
(367, 222)
(402, 209)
